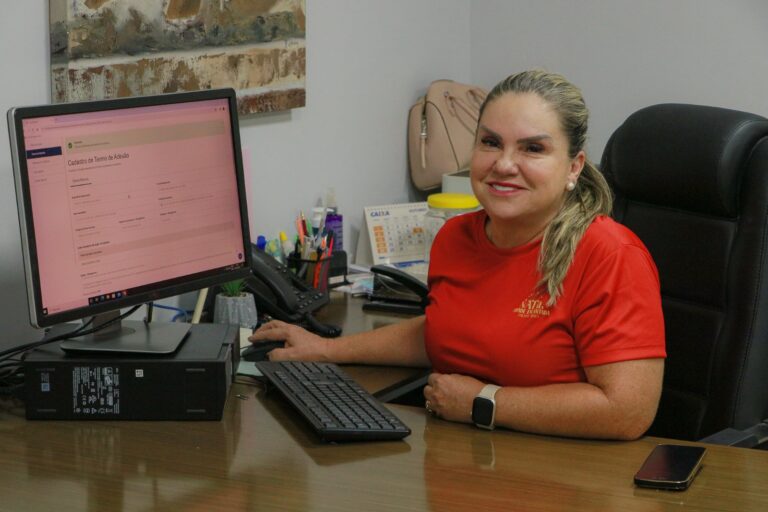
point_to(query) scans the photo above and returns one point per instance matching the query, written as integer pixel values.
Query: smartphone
(670, 466)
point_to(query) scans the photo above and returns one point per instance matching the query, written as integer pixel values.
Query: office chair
(692, 182)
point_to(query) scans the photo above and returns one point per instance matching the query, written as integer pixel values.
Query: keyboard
(336, 407)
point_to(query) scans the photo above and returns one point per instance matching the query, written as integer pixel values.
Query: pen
(312, 270)
(322, 247)
(323, 217)
(306, 248)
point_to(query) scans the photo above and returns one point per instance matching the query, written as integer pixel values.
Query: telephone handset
(279, 293)
(396, 291)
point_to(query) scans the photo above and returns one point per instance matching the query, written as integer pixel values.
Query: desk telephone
(396, 291)
(283, 296)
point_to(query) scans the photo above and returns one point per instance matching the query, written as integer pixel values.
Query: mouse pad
(248, 368)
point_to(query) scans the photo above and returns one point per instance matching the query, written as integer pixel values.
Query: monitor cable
(79, 331)
(11, 377)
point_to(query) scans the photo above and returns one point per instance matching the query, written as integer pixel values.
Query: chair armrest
(747, 438)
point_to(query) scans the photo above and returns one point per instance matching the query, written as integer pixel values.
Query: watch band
(489, 391)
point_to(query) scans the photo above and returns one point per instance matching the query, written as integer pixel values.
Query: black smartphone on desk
(671, 467)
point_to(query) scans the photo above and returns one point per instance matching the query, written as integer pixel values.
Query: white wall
(628, 54)
(367, 61)
(24, 81)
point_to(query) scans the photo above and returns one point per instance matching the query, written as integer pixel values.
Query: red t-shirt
(485, 318)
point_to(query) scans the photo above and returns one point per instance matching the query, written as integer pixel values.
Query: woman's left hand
(450, 396)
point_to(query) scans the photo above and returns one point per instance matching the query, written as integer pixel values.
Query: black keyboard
(335, 406)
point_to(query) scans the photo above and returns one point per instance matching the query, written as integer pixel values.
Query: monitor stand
(129, 337)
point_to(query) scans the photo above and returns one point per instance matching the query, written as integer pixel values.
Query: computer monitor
(127, 201)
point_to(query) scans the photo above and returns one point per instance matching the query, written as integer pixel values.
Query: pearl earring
(570, 186)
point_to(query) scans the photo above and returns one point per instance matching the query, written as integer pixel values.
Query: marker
(287, 245)
(318, 219)
(308, 227)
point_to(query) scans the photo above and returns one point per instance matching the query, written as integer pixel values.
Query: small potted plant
(235, 306)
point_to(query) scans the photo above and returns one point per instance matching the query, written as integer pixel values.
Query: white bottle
(442, 207)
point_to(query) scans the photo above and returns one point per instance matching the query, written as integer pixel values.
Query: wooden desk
(260, 457)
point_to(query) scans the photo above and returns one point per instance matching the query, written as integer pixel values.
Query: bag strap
(477, 98)
(424, 138)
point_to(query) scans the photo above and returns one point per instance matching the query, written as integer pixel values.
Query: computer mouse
(259, 349)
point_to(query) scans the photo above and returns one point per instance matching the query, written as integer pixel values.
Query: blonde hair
(592, 195)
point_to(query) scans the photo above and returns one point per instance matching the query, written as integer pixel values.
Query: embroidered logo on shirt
(532, 308)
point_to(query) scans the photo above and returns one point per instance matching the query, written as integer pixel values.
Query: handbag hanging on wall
(441, 131)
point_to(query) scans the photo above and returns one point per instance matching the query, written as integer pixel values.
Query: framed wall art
(115, 48)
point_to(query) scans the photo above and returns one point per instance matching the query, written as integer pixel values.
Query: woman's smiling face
(520, 166)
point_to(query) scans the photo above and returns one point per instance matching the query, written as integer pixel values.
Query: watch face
(482, 411)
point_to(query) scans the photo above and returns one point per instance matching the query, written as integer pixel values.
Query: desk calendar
(396, 232)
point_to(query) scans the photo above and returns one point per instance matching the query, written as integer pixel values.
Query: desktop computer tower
(190, 384)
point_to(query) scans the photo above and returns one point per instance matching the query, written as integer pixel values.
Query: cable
(11, 377)
(179, 312)
(12, 367)
(325, 330)
(80, 331)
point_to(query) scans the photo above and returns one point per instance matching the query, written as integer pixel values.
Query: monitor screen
(127, 201)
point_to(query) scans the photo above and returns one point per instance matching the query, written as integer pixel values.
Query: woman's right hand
(300, 344)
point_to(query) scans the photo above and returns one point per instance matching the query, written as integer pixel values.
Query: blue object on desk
(261, 243)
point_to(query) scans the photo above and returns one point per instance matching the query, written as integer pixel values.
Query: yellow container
(452, 202)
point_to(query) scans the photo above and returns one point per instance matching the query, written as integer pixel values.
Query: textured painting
(115, 48)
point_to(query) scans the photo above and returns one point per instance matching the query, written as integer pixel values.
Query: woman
(539, 301)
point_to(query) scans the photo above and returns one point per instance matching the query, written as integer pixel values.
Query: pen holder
(314, 272)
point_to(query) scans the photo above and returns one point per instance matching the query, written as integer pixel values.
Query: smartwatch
(484, 407)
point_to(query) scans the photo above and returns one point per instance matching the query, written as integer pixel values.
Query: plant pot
(236, 310)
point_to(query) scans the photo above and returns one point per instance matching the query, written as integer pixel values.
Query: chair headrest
(683, 156)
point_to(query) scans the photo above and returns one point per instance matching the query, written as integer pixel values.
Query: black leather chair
(692, 182)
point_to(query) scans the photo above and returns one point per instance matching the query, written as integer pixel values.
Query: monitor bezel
(164, 289)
